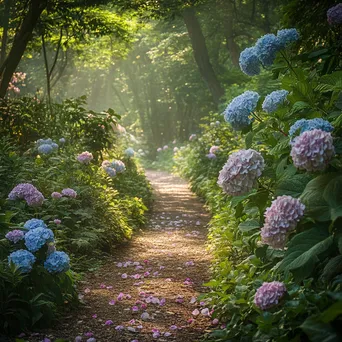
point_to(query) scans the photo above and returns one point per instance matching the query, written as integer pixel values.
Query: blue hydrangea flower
(37, 238)
(54, 146)
(238, 111)
(45, 149)
(34, 223)
(44, 142)
(62, 140)
(334, 15)
(249, 62)
(287, 36)
(274, 100)
(22, 259)
(266, 49)
(118, 166)
(57, 262)
(110, 171)
(129, 152)
(304, 125)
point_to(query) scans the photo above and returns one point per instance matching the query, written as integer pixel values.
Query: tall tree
(201, 54)
(21, 39)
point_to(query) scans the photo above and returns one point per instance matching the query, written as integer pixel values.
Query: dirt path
(158, 272)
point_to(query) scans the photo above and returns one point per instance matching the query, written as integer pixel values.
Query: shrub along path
(159, 272)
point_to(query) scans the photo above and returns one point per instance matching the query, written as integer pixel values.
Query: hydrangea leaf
(319, 331)
(293, 185)
(249, 225)
(304, 252)
(322, 197)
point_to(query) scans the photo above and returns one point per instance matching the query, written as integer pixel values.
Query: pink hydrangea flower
(56, 195)
(239, 175)
(15, 235)
(312, 150)
(57, 221)
(280, 219)
(269, 294)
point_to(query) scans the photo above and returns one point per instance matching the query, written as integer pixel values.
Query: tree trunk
(21, 39)
(201, 54)
(228, 21)
(4, 38)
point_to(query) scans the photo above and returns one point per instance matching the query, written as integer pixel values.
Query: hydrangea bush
(276, 237)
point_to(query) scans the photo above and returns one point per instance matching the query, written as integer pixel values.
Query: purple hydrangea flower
(287, 36)
(239, 109)
(280, 219)
(211, 156)
(269, 295)
(37, 238)
(334, 15)
(249, 62)
(56, 195)
(69, 193)
(34, 223)
(57, 262)
(274, 100)
(105, 163)
(85, 157)
(240, 173)
(15, 235)
(62, 140)
(22, 259)
(165, 147)
(266, 49)
(214, 149)
(312, 150)
(28, 192)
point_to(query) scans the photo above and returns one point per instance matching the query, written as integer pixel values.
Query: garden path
(172, 250)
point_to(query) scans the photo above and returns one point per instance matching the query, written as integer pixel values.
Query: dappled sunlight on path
(146, 290)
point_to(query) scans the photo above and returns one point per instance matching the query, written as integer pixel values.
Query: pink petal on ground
(162, 302)
(146, 274)
(112, 302)
(193, 300)
(132, 321)
(135, 308)
(215, 321)
(143, 306)
(109, 322)
(121, 296)
(102, 286)
(87, 290)
(205, 312)
(109, 287)
(119, 327)
(88, 334)
(191, 320)
(119, 264)
(168, 279)
(167, 334)
(78, 339)
(145, 316)
(124, 275)
(128, 296)
(196, 312)
(94, 316)
(173, 327)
